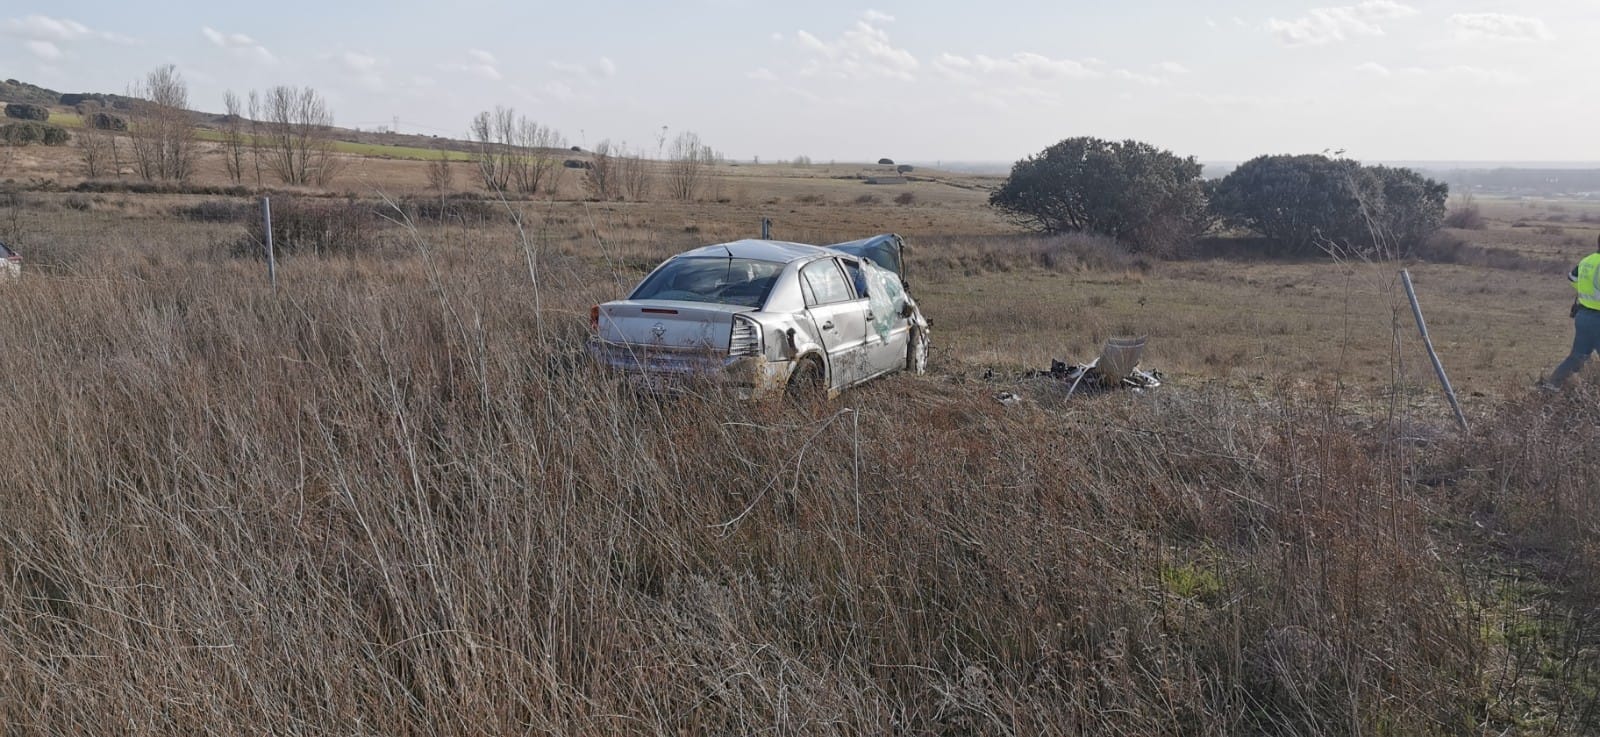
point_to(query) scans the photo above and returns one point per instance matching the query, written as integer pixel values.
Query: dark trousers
(1585, 340)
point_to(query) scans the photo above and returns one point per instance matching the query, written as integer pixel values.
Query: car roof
(759, 250)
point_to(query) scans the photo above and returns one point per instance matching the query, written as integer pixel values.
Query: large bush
(1148, 198)
(301, 226)
(1309, 202)
(105, 121)
(25, 111)
(22, 134)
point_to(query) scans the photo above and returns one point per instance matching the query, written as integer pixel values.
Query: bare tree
(689, 163)
(98, 147)
(298, 130)
(440, 176)
(160, 127)
(255, 140)
(603, 175)
(535, 165)
(493, 133)
(636, 175)
(233, 137)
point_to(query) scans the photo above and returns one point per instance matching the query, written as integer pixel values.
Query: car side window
(824, 284)
(858, 278)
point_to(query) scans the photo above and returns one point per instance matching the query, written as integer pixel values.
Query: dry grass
(392, 499)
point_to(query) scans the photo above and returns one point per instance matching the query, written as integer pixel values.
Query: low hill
(13, 90)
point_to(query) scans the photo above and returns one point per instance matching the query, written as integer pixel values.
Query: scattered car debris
(1008, 398)
(1117, 367)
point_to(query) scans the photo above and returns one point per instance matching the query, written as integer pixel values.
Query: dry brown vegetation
(391, 498)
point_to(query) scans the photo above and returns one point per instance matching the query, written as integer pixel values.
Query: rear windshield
(729, 281)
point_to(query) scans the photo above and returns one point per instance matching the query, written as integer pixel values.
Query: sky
(912, 80)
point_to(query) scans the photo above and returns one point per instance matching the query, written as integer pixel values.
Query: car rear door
(840, 317)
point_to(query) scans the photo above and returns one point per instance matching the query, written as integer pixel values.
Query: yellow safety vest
(1586, 279)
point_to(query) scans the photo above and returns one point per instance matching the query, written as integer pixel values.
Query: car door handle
(827, 325)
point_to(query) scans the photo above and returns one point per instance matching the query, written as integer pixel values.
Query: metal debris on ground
(1117, 367)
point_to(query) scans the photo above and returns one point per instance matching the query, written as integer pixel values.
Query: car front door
(839, 316)
(883, 351)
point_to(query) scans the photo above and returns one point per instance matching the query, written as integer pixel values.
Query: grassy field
(391, 498)
(350, 148)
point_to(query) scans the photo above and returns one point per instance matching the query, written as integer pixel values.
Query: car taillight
(745, 339)
(594, 318)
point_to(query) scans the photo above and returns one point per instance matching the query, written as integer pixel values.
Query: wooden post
(766, 229)
(1438, 368)
(272, 258)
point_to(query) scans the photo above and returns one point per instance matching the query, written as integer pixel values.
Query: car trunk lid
(668, 325)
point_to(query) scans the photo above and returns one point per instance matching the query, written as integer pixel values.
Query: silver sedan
(767, 317)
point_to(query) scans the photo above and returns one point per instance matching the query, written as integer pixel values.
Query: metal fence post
(272, 258)
(1438, 367)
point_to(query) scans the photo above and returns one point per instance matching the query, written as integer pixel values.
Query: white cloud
(1327, 25)
(1025, 64)
(1481, 75)
(238, 44)
(603, 68)
(558, 90)
(1373, 67)
(356, 61)
(873, 16)
(1145, 79)
(862, 51)
(777, 36)
(44, 50)
(1459, 72)
(361, 67)
(1499, 27)
(45, 28)
(762, 74)
(1172, 67)
(482, 65)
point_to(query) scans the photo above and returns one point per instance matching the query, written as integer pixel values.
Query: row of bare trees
(285, 133)
(515, 153)
(617, 172)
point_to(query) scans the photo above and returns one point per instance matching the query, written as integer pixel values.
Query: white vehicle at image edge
(10, 263)
(765, 318)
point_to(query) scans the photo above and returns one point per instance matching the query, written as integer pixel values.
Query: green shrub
(105, 121)
(25, 111)
(22, 134)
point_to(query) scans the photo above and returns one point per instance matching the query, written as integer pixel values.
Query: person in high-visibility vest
(1585, 278)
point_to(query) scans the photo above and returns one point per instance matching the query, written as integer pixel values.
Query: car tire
(917, 352)
(806, 383)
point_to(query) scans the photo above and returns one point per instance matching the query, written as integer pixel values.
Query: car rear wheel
(806, 383)
(917, 352)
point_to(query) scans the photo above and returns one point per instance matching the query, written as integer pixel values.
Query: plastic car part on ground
(1116, 368)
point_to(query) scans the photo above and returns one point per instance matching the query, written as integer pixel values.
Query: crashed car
(766, 318)
(10, 263)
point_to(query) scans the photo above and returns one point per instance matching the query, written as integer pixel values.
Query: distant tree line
(1155, 201)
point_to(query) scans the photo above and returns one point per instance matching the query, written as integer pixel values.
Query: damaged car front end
(763, 318)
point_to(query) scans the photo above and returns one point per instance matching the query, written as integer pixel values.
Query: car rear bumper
(669, 371)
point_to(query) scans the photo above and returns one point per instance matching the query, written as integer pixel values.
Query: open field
(390, 498)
